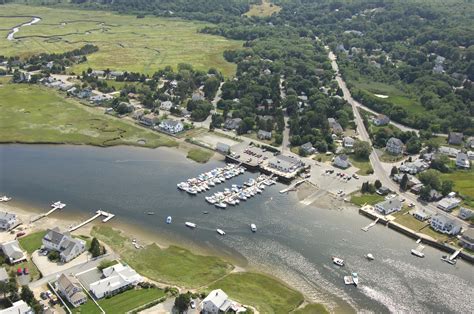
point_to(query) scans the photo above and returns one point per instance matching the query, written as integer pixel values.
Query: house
(381, 119)
(416, 189)
(197, 96)
(217, 301)
(148, 119)
(308, 148)
(171, 126)
(448, 203)
(7, 221)
(97, 73)
(335, 126)
(467, 239)
(67, 246)
(223, 148)
(285, 163)
(138, 114)
(444, 224)
(341, 161)
(70, 288)
(414, 167)
(455, 138)
(421, 215)
(232, 124)
(394, 146)
(470, 155)
(435, 195)
(470, 142)
(115, 279)
(348, 142)
(264, 135)
(13, 252)
(412, 180)
(115, 74)
(18, 307)
(174, 83)
(465, 213)
(383, 190)
(462, 161)
(166, 105)
(84, 94)
(389, 206)
(98, 99)
(3, 275)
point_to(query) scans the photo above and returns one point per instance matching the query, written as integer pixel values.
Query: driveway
(46, 267)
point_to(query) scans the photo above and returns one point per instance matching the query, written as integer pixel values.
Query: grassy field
(312, 309)
(87, 308)
(34, 114)
(125, 42)
(33, 270)
(32, 241)
(411, 222)
(266, 8)
(172, 265)
(129, 300)
(365, 168)
(463, 181)
(369, 199)
(265, 293)
(200, 155)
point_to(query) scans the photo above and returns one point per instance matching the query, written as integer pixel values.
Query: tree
(404, 182)
(425, 193)
(447, 187)
(431, 179)
(211, 85)
(362, 149)
(377, 184)
(4, 288)
(27, 295)
(53, 256)
(95, 248)
(394, 171)
(181, 302)
(413, 145)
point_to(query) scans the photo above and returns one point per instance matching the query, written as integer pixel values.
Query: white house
(341, 161)
(465, 213)
(13, 252)
(67, 246)
(166, 105)
(394, 146)
(115, 279)
(348, 142)
(171, 126)
(467, 239)
(448, 203)
(71, 289)
(7, 220)
(389, 206)
(462, 161)
(443, 224)
(18, 307)
(218, 302)
(449, 151)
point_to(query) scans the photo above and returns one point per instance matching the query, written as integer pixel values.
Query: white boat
(169, 219)
(210, 200)
(182, 186)
(221, 205)
(5, 198)
(253, 227)
(242, 197)
(418, 253)
(191, 191)
(348, 280)
(355, 278)
(338, 261)
(220, 231)
(190, 225)
(370, 257)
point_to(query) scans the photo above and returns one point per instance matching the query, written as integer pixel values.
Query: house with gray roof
(465, 213)
(308, 148)
(232, 124)
(381, 119)
(467, 239)
(264, 135)
(335, 126)
(389, 206)
(348, 142)
(462, 161)
(217, 301)
(13, 252)
(18, 307)
(448, 151)
(7, 221)
(67, 246)
(70, 288)
(455, 138)
(394, 146)
(341, 161)
(444, 224)
(4, 275)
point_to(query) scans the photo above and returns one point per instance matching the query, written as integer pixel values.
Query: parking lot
(251, 155)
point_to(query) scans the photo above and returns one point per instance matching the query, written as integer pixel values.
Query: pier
(99, 213)
(454, 255)
(55, 206)
(293, 187)
(373, 223)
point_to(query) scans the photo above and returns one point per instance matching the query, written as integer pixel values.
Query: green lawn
(266, 8)
(365, 168)
(129, 300)
(32, 241)
(463, 181)
(369, 199)
(87, 308)
(33, 270)
(265, 293)
(312, 309)
(173, 265)
(125, 42)
(389, 158)
(35, 114)
(411, 222)
(200, 155)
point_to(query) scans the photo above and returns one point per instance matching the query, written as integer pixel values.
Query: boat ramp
(99, 213)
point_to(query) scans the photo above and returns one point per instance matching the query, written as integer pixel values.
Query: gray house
(341, 161)
(232, 124)
(389, 206)
(264, 135)
(13, 252)
(335, 126)
(394, 146)
(7, 221)
(308, 148)
(381, 119)
(67, 246)
(455, 138)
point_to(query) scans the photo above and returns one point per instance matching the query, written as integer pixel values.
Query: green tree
(447, 187)
(404, 182)
(394, 171)
(27, 295)
(53, 256)
(413, 145)
(431, 179)
(425, 193)
(377, 184)
(95, 248)
(211, 85)
(181, 302)
(362, 149)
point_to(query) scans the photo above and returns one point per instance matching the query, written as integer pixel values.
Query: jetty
(99, 213)
(55, 206)
(454, 255)
(373, 223)
(294, 186)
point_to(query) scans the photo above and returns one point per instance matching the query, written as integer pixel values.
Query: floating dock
(99, 213)
(293, 187)
(373, 223)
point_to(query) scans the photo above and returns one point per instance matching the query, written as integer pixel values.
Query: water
(11, 34)
(293, 242)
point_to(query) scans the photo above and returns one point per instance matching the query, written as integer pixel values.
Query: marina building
(285, 163)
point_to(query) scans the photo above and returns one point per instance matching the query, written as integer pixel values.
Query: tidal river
(293, 242)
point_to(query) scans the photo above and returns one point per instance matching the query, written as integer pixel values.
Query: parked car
(355, 176)
(25, 271)
(192, 304)
(19, 271)
(20, 234)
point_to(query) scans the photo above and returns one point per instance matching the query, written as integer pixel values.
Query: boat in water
(370, 257)
(205, 212)
(5, 198)
(353, 279)
(190, 225)
(169, 219)
(417, 253)
(150, 213)
(338, 261)
(220, 231)
(58, 204)
(253, 227)
(221, 205)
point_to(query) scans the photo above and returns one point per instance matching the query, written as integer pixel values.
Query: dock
(99, 213)
(55, 206)
(293, 187)
(454, 255)
(373, 223)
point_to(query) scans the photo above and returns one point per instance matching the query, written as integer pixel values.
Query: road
(379, 171)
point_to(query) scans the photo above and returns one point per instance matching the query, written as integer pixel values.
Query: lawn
(36, 114)
(312, 309)
(32, 241)
(125, 42)
(33, 270)
(173, 265)
(463, 181)
(200, 155)
(389, 158)
(411, 222)
(266, 8)
(130, 299)
(265, 293)
(369, 199)
(364, 166)
(87, 308)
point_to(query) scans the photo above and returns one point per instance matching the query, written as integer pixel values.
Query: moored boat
(190, 224)
(220, 231)
(253, 227)
(338, 261)
(169, 219)
(370, 257)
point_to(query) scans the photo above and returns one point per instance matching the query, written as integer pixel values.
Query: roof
(18, 307)
(393, 141)
(68, 283)
(307, 146)
(171, 123)
(390, 204)
(455, 137)
(444, 219)
(6, 216)
(448, 202)
(216, 297)
(116, 276)
(342, 157)
(469, 233)
(348, 139)
(71, 244)
(54, 236)
(12, 250)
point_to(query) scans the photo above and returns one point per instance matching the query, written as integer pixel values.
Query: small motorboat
(348, 280)
(221, 205)
(190, 225)
(370, 257)
(150, 213)
(355, 279)
(205, 212)
(191, 191)
(220, 231)
(169, 219)
(338, 261)
(253, 227)
(5, 198)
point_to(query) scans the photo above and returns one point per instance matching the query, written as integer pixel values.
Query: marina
(99, 213)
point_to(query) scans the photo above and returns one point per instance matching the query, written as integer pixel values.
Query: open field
(34, 114)
(129, 300)
(32, 241)
(200, 155)
(365, 168)
(407, 220)
(176, 265)
(265, 293)
(312, 309)
(369, 199)
(125, 42)
(463, 181)
(266, 8)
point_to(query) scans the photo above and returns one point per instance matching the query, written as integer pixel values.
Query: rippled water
(293, 242)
